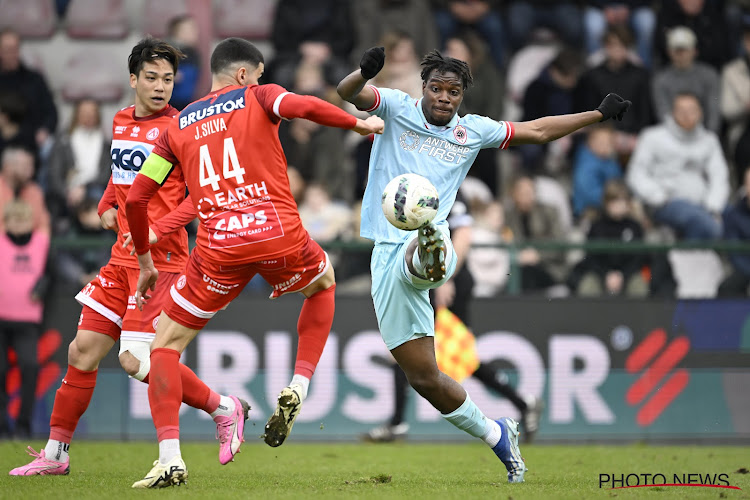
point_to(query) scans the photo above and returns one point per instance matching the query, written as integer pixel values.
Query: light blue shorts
(402, 300)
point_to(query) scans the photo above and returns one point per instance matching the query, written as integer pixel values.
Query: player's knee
(75, 356)
(424, 382)
(129, 363)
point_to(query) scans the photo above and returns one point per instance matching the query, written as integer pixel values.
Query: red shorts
(112, 295)
(206, 288)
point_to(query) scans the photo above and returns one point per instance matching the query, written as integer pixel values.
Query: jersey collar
(435, 128)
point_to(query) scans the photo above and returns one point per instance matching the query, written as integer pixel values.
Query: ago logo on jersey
(127, 159)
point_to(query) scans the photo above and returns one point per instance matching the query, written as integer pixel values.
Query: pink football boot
(42, 466)
(230, 431)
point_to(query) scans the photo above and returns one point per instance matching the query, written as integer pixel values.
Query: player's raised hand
(372, 125)
(613, 106)
(109, 220)
(372, 62)
(152, 239)
(146, 279)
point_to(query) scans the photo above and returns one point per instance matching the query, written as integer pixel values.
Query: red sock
(71, 401)
(195, 392)
(165, 392)
(313, 327)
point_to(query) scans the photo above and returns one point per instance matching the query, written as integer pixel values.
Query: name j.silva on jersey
(210, 127)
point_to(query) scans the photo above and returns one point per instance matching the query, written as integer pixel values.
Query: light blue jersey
(442, 154)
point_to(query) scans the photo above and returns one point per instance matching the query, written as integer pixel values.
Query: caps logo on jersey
(152, 134)
(460, 134)
(409, 140)
(135, 131)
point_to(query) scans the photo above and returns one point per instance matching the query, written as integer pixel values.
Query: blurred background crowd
(674, 170)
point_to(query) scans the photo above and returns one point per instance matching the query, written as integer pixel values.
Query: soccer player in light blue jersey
(427, 137)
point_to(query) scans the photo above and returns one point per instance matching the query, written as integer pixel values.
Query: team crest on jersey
(152, 134)
(155, 322)
(135, 131)
(409, 140)
(180, 283)
(460, 134)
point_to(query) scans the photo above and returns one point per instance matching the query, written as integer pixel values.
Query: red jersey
(228, 149)
(133, 138)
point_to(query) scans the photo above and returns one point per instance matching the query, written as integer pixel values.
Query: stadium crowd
(674, 169)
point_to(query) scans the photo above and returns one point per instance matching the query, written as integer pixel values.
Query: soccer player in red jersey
(109, 309)
(226, 146)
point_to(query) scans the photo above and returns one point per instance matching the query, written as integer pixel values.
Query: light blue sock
(469, 418)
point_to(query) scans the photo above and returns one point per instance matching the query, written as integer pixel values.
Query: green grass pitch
(403, 470)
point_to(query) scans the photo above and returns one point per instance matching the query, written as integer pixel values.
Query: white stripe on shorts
(189, 307)
(85, 300)
(136, 336)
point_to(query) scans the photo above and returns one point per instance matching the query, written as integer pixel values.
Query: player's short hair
(150, 49)
(234, 50)
(435, 61)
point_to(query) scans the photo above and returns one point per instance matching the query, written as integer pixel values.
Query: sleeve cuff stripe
(377, 99)
(508, 135)
(277, 103)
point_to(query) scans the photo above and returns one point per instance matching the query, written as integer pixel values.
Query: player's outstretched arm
(549, 128)
(352, 87)
(322, 112)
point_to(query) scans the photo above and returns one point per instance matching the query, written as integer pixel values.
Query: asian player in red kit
(226, 146)
(109, 311)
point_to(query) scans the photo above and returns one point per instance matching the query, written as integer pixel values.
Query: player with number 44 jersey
(226, 146)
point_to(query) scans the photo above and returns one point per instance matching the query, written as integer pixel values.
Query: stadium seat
(97, 19)
(244, 18)
(158, 13)
(30, 18)
(94, 74)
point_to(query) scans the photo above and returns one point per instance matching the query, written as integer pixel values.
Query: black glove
(372, 62)
(613, 106)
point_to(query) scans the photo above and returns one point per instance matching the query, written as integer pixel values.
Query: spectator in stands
(735, 104)
(737, 228)
(706, 19)
(401, 69)
(529, 220)
(314, 150)
(619, 75)
(41, 119)
(376, 17)
(481, 15)
(182, 32)
(23, 258)
(16, 173)
(685, 74)
(678, 170)
(595, 164)
(635, 15)
(12, 114)
(614, 273)
(488, 265)
(326, 220)
(486, 98)
(551, 93)
(561, 16)
(79, 165)
(77, 267)
(319, 33)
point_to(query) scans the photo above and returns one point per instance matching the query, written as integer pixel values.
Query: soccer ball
(409, 201)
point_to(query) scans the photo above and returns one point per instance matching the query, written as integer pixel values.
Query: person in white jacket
(679, 171)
